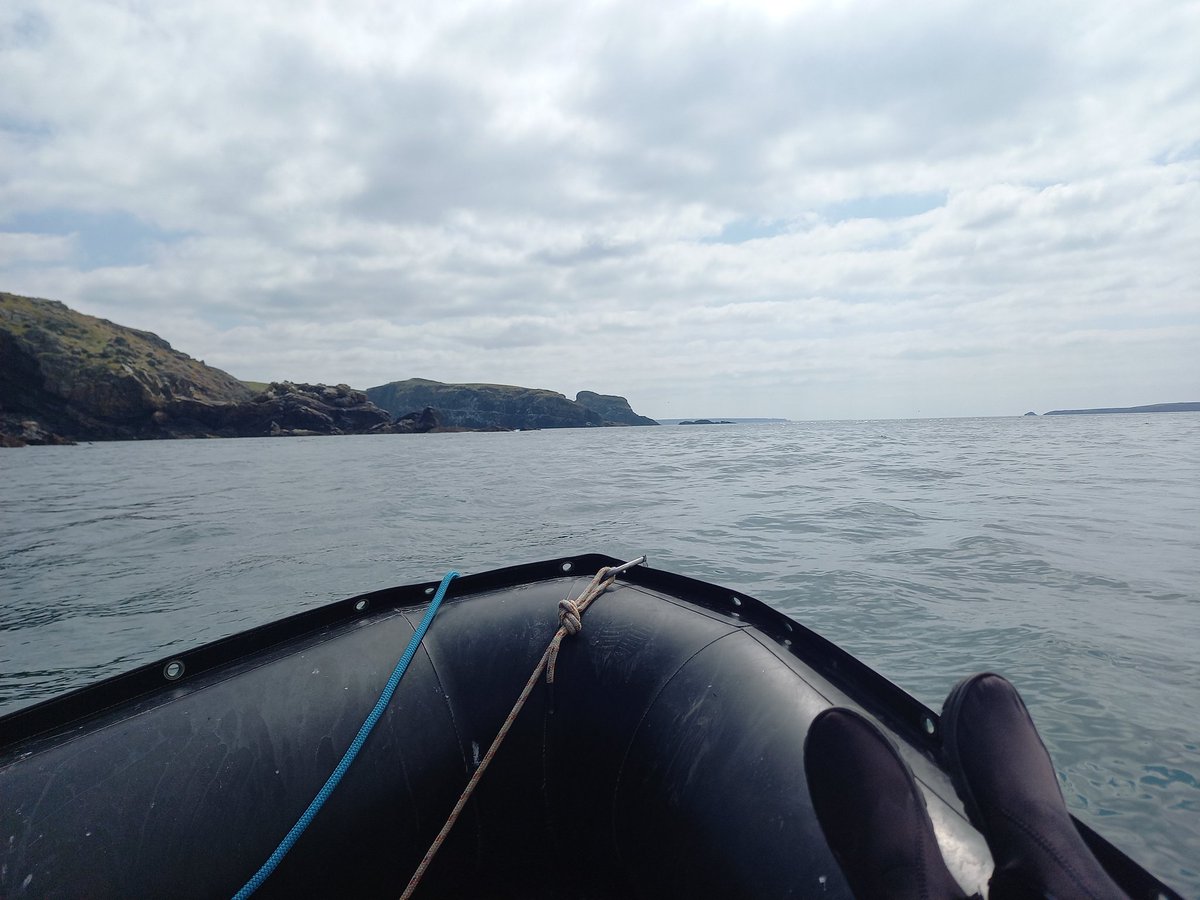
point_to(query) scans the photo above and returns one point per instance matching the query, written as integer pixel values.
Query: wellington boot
(1004, 776)
(872, 812)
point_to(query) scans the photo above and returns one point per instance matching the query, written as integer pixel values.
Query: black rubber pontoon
(664, 761)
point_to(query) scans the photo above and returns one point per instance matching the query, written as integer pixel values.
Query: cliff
(84, 377)
(488, 406)
(66, 376)
(613, 409)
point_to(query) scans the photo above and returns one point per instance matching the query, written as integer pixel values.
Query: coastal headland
(1151, 408)
(67, 377)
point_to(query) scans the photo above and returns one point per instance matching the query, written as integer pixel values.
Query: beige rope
(570, 617)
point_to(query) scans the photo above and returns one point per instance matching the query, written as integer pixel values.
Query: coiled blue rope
(352, 751)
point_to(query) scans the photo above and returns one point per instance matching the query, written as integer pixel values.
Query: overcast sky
(817, 209)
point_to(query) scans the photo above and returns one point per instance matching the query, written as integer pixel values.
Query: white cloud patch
(18, 250)
(811, 210)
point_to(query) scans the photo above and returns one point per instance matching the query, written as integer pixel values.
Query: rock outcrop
(613, 409)
(422, 422)
(284, 409)
(91, 379)
(65, 376)
(28, 432)
(496, 406)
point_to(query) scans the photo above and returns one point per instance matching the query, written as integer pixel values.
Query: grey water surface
(1063, 553)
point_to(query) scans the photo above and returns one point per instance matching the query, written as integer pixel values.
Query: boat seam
(637, 729)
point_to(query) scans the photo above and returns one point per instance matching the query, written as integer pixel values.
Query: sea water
(1062, 552)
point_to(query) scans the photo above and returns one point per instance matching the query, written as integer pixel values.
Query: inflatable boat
(663, 760)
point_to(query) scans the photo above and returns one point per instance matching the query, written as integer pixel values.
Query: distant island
(70, 377)
(1152, 408)
(705, 422)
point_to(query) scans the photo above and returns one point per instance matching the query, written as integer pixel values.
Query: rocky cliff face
(89, 378)
(66, 376)
(613, 409)
(283, 409)
(490, 406)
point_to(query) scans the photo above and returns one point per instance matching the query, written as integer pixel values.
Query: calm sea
(1062, 552)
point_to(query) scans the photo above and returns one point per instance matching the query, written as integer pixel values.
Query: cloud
(20, 250)
(811, 210)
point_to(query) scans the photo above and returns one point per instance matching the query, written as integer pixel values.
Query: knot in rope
(570, 618)
(570, 615)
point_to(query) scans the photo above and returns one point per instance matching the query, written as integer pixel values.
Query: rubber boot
(1004, 776)
(872, 812)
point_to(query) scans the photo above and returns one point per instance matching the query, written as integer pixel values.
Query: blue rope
(352, 751)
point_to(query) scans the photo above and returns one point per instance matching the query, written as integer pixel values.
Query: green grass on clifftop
(70, 345)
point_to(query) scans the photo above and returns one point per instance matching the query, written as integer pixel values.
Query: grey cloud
(589, 252)
(916, 82)
(853, 195)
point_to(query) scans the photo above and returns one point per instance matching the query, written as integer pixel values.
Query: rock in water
(422, 422)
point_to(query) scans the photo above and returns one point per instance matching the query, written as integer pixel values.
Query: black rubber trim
(69, 709)
(895, 707)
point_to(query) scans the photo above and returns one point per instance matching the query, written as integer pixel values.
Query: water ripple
(1062, 552)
